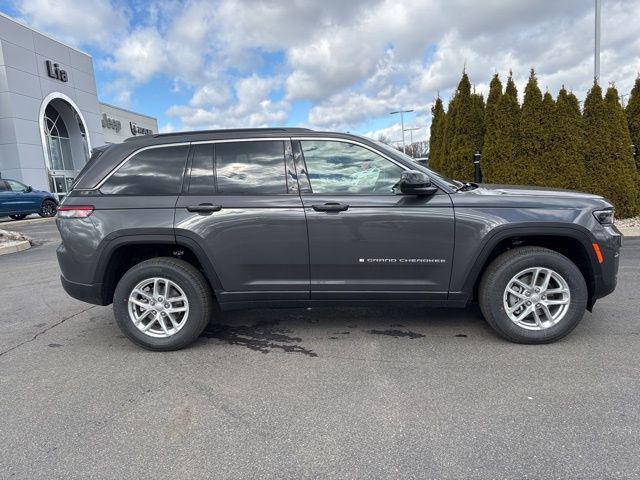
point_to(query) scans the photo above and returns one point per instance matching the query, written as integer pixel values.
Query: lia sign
(54, 71)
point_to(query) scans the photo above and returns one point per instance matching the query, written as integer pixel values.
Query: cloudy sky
(329, 64)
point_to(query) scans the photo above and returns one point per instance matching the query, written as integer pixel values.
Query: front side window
(156, 171)
(16, 186)
(253, 168)
(344, 168)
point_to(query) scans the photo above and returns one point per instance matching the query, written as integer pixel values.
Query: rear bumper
(91, 293)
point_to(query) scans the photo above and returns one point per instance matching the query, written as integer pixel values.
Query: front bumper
(91, 293)
(610, 244)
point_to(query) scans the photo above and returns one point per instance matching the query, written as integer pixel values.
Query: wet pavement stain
(262, 337)
(461, 335)
(397, 333)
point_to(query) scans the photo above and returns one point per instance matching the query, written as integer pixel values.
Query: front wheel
(19, 216)
(162, 304)
(48, 208)
(533, 295)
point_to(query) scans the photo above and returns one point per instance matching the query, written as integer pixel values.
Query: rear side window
(3, 186)
(254, 168)
(156, 171)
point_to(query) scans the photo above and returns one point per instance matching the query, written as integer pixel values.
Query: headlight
(604, 217)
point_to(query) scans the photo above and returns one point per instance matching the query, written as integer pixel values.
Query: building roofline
(128, 111)
(21, 23)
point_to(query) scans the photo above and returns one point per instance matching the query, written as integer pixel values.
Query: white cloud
(78, 22)
(352, 61)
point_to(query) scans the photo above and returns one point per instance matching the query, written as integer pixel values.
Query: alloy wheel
(158, 307)
(536, 298)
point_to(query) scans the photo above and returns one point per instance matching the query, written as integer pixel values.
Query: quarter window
(254, 168)
(345, 168)
(156, 171)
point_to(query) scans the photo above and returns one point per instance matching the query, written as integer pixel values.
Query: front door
(243, 208)
(365, 241)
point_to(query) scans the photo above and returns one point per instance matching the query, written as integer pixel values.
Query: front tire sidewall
(198, 311)
(493, 305)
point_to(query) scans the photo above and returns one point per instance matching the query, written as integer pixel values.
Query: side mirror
(29, 189)
(413, 182)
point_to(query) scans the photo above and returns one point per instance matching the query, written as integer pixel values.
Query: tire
(19, 216)
(185, 278)
(48, 208)
(533, 329)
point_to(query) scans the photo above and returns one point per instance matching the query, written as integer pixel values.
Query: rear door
(365, 241)
(242, 207)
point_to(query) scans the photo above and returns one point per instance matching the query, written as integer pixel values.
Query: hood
(521, 196)
(529, 191)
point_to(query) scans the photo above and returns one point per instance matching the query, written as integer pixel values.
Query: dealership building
(50, 116)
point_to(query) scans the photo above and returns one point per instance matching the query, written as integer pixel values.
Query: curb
(630, 231)
(14, 246)
(27, 221)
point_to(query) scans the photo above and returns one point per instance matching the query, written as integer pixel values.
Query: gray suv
(163, 225)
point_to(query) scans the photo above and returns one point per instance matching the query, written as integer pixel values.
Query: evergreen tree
(534, 138)
(504, 139)
(445, 146)
(436, 137)
(490, 133)
(633, 118)
(610, 169)
(467, 131)
(564, 159)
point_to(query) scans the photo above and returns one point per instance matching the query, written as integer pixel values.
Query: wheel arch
(574, 243)
(122, 253)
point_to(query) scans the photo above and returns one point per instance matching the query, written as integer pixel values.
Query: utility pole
(411, 130)
(596, 52)
(402, 112)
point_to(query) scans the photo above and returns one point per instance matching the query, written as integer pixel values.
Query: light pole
(596, 50)
(402, 112)
(411, 130)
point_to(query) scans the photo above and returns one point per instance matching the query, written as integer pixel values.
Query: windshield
(454, 184)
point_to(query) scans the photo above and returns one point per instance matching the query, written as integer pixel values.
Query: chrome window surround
(235, 140)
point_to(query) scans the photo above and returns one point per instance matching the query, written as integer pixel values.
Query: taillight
(75, 211)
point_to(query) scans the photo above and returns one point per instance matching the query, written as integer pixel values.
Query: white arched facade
(65, 140)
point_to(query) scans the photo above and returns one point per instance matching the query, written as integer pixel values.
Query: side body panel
(257, 245)
(483, 220)
(88, 243)
(381, 247)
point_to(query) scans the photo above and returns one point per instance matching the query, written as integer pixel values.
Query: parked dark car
(162, 225)
(18, 200)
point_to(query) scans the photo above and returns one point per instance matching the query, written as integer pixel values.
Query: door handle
(204, 208)
(330, 207)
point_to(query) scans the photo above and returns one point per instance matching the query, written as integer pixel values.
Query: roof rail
(229, 130)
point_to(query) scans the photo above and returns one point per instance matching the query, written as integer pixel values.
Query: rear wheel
(19, 216)
(48, 208)
(533, 295)
(162, 304)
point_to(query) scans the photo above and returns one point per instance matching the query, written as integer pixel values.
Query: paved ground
(340, 393)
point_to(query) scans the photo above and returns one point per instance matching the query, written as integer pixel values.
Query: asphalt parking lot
(324, 393)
